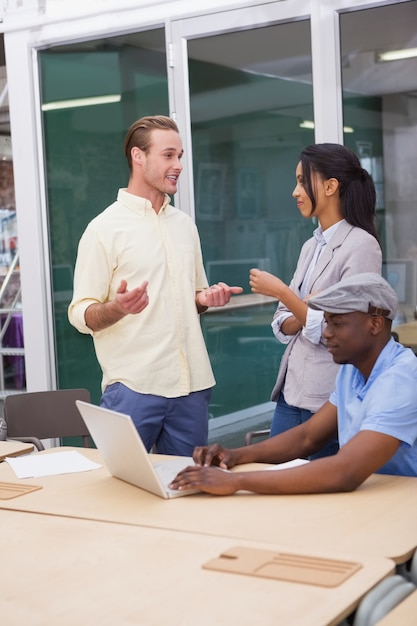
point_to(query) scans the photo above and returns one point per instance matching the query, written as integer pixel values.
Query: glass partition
(379, 70)
(251, 114)
(91, 93)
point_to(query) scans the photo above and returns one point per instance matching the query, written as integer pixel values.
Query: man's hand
(101, 315)
(214, 455)
(133, 301)
(209, 479)
(216, 295)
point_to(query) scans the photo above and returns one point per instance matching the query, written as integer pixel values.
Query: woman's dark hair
(356, 187)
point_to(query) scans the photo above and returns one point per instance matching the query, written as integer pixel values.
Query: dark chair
(38, 415)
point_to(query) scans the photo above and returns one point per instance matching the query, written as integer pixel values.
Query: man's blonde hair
(139, 133)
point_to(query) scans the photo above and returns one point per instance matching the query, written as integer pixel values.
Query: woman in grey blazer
(333, 187)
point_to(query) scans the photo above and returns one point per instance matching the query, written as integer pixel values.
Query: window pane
(85, 161)
(380, 107)
(251, 92)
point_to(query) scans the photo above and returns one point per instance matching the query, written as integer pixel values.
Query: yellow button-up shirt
(161, 350)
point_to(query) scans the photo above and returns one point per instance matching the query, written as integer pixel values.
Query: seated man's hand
(209, 479)
(214, 455)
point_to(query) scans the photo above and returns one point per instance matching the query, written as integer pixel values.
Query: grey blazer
(308, 370)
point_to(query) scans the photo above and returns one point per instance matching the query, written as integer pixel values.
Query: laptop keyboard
(168, 469)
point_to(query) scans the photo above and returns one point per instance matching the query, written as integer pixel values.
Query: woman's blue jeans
(287, 416)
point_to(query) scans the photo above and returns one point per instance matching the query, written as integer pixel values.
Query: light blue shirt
(385, 403)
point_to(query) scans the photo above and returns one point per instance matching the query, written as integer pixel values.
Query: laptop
(125, 455)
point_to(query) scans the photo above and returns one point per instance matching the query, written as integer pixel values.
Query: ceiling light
(81, 102)
(307, 124)
(310, 125)
(397, 55)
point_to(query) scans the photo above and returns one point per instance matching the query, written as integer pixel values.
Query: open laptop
(124, 454)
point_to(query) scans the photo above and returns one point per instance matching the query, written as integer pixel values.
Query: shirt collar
(323, 236)
(137, 203)
(385, 357)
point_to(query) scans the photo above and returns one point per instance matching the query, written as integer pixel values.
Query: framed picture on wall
(210, 191)
(248, 192)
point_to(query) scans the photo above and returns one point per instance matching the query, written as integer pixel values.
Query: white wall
(20, 12)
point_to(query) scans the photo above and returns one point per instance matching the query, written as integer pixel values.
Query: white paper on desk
(35, 466)
(288, 464)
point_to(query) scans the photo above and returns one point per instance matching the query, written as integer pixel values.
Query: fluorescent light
(307, 124)
(397, 55)
(310, 125)
(81, 102)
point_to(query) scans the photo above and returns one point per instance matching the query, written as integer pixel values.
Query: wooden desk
(378, 519)
(66, 571)
(405, 614)
(14, 448)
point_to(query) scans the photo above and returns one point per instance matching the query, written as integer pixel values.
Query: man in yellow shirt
(139, 286)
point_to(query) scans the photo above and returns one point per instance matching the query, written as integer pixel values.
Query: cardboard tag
(284, 566)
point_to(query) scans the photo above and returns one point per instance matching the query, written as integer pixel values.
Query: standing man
(139, 287)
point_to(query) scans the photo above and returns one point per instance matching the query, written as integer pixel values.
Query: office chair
(252, 434)
(382, 599)
(38, 415)
(409, 569)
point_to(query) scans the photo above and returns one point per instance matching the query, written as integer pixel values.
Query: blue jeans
(287, 416)
(173, 425)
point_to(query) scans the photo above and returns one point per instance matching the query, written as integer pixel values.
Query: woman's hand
(265, 283)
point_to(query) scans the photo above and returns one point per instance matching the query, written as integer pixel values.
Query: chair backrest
(46, 415)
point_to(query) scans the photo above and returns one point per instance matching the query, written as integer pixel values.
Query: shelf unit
(9, 307)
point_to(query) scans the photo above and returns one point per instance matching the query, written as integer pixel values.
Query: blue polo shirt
(385, 403)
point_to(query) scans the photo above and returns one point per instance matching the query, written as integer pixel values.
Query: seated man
(373, 408)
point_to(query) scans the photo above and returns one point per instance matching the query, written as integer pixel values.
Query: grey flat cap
(367, 292)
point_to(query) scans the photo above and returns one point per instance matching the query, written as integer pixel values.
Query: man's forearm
(99, 316)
